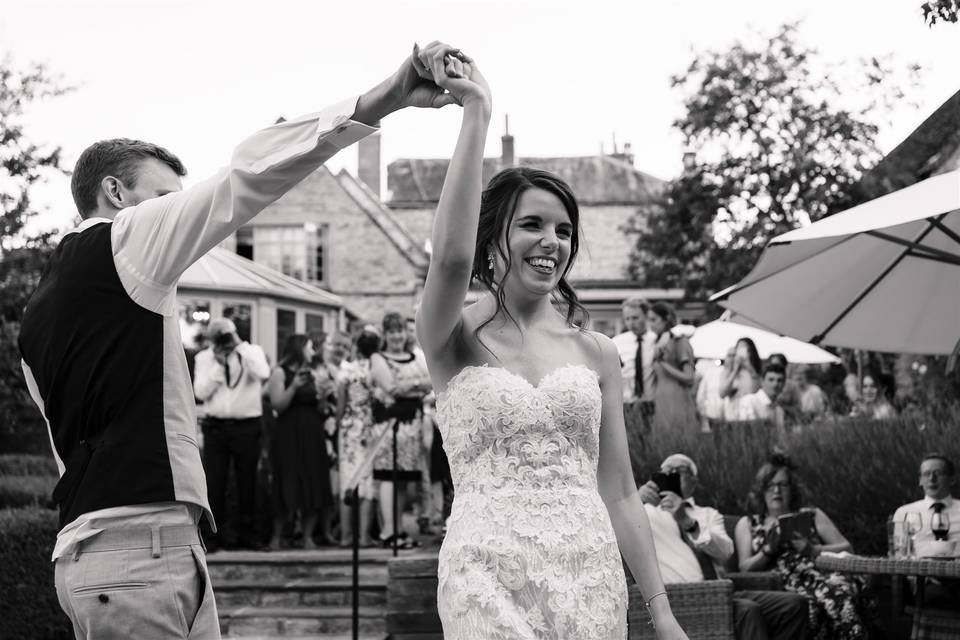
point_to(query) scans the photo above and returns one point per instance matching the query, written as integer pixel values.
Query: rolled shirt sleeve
(712, 538)
(255, 360)
(155, 241)
(208, 375)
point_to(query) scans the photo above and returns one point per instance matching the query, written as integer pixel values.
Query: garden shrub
(25, 464)
(23, 491)
(857, 471)
(29, 608)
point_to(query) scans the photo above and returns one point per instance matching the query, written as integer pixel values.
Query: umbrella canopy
(883, 276)
(714, 339)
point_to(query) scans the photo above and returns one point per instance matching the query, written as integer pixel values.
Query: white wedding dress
(530, 553)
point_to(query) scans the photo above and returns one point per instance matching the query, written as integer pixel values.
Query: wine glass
(940, 525)
(912, 524)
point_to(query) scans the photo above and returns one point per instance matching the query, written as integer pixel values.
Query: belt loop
(155, 538)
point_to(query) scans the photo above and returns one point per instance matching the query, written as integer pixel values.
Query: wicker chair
(747, 580)
(703, 609)
(935, 624)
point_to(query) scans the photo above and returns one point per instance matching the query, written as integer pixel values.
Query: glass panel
(240, 314)
(245, 242)
(295, 250)
(286, 326)
(315, 329)
(194, 318)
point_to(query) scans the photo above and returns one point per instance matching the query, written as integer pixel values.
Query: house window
(240, 315)
(297, 250)
(315, 329)
(286, 326)
(319, 254)
(194, 318)
(245, 242)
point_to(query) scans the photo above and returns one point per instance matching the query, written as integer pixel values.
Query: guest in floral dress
(354, 417)
(404, 376)
(839, 608)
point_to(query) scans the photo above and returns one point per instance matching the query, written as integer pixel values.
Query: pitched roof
(594, 179)
(224, 271)
(385, 219)
(921, 154)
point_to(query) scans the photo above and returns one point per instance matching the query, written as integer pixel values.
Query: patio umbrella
(713, 339)
(883, 276)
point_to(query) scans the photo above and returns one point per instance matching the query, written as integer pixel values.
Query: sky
(197, 76)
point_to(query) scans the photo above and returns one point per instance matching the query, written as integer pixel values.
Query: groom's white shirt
(155, 241)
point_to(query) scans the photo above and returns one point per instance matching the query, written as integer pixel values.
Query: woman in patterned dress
(355, 436)
(837, 601)
(404, 376)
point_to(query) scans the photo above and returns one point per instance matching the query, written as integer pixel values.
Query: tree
(940, 11)
(779, 139)
(23, 164)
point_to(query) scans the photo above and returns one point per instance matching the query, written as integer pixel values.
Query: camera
(223, 340)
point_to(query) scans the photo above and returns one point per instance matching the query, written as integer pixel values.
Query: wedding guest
(813, 400)
(709, 403)
(873, 403)
(762, 405)
(637, 344)
(838, 606)
(693, 545)
(741, 378)
(355, 437)
(336, 348)
(674, 406)
(229, 380)
(301, 469)
(938, 479)
(405, 377)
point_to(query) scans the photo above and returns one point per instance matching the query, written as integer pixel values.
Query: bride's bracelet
(647, 604)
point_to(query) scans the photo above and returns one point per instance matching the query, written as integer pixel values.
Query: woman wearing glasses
(767, 542)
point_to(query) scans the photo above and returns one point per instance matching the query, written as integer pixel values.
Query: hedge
(857, 471)
(23, 491)
(29, 608)
(24, 464)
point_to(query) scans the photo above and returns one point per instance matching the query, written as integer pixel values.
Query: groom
(104, 362)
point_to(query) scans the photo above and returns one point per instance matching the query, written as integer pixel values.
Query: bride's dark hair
(498, 204)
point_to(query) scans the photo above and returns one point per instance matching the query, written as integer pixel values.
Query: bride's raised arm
(455, 224)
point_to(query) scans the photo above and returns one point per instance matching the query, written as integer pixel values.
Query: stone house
(337, 232)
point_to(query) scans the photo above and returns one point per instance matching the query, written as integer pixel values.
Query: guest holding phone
(838, 606)
(301, 469)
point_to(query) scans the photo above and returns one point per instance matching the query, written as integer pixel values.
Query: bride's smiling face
(538, 243)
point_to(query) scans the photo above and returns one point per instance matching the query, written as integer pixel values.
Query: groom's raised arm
(155, 241)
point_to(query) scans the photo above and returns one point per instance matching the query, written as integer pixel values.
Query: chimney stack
(507, 158)
(368, 162)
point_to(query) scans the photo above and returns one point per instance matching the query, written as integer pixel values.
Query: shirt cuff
(333, 126)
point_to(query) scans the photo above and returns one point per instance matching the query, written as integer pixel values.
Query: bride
(529, 406)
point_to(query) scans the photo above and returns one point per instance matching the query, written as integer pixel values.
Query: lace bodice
(500, 432)
(530, 552)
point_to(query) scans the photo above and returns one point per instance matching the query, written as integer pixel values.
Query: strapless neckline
(488, 367)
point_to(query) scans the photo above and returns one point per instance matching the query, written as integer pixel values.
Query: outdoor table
(918, 567)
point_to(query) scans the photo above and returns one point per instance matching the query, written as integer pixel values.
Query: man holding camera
(693, 545)
(228, 378)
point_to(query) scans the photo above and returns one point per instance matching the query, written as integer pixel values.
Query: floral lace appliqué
(530, 552)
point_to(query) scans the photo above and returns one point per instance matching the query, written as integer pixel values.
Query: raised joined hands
(454, 72)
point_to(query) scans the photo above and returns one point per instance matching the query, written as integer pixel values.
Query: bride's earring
(490, 261)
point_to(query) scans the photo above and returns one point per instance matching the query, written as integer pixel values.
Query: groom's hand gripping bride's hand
(411, 85)
(415, 87)
(455, 72)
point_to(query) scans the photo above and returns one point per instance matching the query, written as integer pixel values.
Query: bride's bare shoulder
(598, 349)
